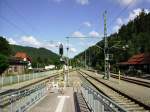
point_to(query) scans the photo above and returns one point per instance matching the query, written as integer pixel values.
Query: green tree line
(40, 57)
(135, 34)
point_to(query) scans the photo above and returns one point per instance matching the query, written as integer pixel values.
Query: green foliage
(3, 63)
(4, 47)
(40, 56)
(136, 34)
(5, 52)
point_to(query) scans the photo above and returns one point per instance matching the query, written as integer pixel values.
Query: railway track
(137, 81)
(123, 100)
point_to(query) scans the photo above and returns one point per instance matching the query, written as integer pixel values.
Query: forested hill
(40, 56)
(135, 34)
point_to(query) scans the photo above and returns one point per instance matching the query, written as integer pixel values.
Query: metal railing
(21, 101)
(9, 80)
(99, 102)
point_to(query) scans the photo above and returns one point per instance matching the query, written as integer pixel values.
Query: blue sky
(46, 23)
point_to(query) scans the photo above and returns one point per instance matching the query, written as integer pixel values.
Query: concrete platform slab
(56, 102)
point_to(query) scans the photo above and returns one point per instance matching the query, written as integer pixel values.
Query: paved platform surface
(135, 91)
(56, 102)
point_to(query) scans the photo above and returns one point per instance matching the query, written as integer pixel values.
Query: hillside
(135, 34)
(40, 56)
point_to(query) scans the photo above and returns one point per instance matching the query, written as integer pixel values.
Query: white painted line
(61, 103)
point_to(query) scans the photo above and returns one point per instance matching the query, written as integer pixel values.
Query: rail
(134, 80)
(141, 104)
(97, 101)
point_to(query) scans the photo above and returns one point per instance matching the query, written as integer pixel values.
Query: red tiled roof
(138, 59)
(22, 55)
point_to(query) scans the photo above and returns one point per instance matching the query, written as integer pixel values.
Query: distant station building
(137, 62)
(18, 64)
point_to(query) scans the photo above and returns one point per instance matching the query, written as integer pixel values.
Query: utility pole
(106, 55)
(89, 59)
(85, 59)
(67, 60)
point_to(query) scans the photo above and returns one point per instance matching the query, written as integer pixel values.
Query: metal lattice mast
(106, 58)
(67, 60)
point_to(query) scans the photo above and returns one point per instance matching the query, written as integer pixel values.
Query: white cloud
(118, 25)
(119, 21)
(116, 28)
(83, 2)
(131, 2)
(78, 34)
(132, 15)
(30, 40)
(73, 50)
(127, 2)
(87, 24)
(94, 34)
(58, 1)
(135, 13)
(11, 41)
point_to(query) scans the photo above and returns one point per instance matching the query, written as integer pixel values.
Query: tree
(3, 63)
(135, 34)
(5, 52)
(4, 47)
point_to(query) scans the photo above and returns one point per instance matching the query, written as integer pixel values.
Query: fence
(97, 101)
(8, 80)
(20, 102)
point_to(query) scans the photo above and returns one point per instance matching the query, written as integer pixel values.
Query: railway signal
(61, 50)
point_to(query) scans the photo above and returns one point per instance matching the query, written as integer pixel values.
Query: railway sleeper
(118, 97)
(129, 103)
(132, 105)
(135, 109)
(122, 100)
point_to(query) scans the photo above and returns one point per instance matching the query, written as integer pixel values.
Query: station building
(18, 64)
(137, 62)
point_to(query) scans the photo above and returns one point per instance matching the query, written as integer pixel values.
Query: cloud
(135, 13)
(119, 21)
(131, 2)
(132, 15)
(78, 34)
(94, 34)
(87, 24)
(83, 2)
(30, 40)
(11, 41)
(127, 2)
(73, 50)
(58, 1)
(118, 25)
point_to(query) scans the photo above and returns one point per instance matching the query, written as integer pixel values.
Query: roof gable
(22, 55)
(143, 58)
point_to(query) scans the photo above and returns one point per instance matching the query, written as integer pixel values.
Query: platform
(56, 102)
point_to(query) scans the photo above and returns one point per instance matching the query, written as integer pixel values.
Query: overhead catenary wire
(14, 25)
(20, 15)
(121, 12)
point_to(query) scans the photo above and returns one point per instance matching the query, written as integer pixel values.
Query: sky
(47, 23)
